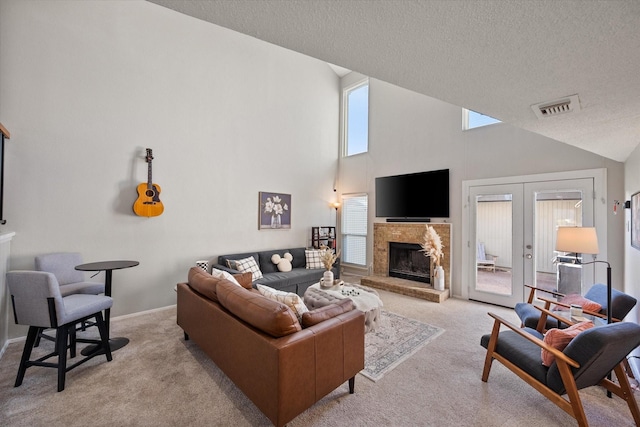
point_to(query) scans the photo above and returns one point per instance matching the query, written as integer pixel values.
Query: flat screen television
(418, 195)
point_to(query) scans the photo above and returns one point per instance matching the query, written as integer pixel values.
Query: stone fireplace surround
(383, 233)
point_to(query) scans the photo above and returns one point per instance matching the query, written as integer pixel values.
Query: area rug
(394, 341)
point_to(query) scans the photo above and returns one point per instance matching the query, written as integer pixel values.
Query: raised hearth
(405, 287)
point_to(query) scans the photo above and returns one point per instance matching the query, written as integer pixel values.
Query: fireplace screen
(407, 262)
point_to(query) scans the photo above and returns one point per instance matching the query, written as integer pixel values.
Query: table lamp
(583, 240)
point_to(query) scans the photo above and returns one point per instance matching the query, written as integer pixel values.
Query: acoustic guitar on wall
(148, 203)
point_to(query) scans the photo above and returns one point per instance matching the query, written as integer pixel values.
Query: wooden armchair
(585, 362)
(485, 260)
(621, 304)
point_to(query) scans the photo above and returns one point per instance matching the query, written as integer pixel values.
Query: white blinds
(354, 229)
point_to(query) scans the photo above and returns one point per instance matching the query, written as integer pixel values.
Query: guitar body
(148, 203)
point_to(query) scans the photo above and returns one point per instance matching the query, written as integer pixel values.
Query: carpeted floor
(161, 380)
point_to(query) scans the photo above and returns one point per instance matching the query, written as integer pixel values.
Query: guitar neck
(149, 159)
(149, 180)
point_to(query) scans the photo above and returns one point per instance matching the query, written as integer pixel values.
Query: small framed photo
(635, 220)
(274, 211)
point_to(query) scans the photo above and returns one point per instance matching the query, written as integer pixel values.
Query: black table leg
(115, 343)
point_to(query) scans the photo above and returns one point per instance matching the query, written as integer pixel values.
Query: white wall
(632, 255)
(85, 87)
(409, 132)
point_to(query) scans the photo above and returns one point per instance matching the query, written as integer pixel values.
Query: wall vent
(557, 107)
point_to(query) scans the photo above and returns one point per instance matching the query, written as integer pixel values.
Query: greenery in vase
(328, 258)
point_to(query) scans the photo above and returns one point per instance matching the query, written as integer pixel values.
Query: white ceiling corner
(340, 71)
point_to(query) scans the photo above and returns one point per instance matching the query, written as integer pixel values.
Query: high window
(355, 119)
(354, 229)
(471, 120)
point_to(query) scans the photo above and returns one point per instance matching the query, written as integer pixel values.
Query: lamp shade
(581, 240)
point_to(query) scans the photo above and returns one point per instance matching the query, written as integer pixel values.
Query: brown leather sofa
(263, 348)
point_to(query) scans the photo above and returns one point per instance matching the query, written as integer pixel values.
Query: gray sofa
(297, 280)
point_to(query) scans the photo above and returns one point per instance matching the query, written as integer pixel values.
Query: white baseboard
(4, 347)
(358, 271)
(141, 313)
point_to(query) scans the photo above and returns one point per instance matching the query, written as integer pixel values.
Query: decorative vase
(438, 283)
(276, 221)
(327, 278)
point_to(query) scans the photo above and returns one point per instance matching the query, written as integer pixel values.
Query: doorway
(512, 228)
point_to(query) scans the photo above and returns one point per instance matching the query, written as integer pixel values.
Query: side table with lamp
(583, 240)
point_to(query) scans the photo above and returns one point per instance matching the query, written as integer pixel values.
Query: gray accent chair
(586, 361)
(38, 303)
(71, 281)
(621, 305)
(63, 266)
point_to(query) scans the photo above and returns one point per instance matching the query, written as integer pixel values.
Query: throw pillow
(586, 304)
(221, 274)
(244, 279)
(314, 258)
(560, 338)
(321, 314)
(293, 301)
(247, 265)
(283, 263)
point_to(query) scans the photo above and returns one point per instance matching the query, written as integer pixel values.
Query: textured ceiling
(494, 57)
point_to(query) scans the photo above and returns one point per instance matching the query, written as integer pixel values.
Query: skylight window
(472, 120)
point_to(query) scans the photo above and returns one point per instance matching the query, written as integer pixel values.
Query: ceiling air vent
(554, 108)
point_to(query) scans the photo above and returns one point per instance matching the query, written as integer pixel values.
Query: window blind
(354, 229)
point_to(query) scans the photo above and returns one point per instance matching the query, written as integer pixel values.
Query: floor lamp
(583, 240)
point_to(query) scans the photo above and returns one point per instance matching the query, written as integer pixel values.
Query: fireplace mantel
(383, 233)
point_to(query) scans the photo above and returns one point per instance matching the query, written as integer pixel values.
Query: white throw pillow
(221, 274)
(314, 258)
(247, 265)
(292, 300)
(283, 263)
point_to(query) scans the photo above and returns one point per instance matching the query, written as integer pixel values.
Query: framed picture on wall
(635, 220)
(274, 211)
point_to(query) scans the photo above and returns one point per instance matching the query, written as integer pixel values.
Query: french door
(514, 225)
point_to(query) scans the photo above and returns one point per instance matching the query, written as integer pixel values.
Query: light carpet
(159, 380)
(395, 339)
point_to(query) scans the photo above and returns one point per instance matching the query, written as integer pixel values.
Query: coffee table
(364, 298)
